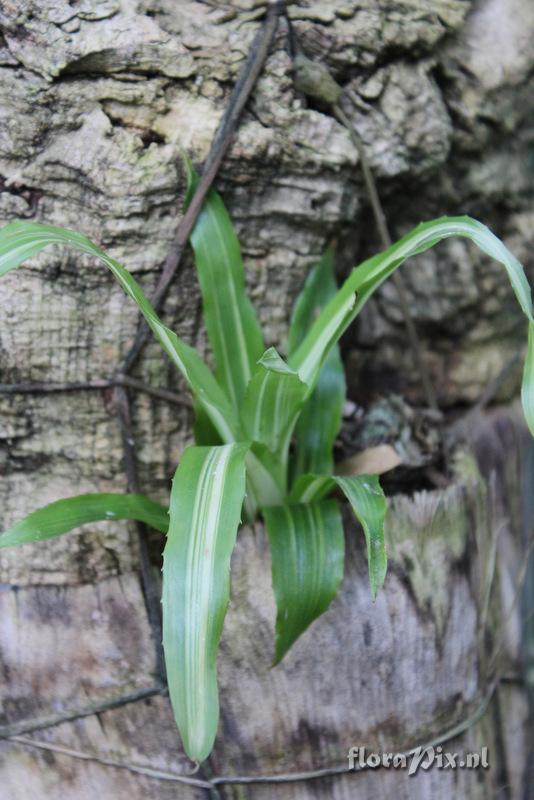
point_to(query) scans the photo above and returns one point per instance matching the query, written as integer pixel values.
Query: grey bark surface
(96, 102)
(404, 671)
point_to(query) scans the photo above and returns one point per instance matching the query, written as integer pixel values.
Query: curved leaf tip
(206, 501)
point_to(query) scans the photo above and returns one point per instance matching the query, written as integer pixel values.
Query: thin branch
(290, 777)
(50, 721)
(119, 380)
(295, 777)
(385, 237)
(52, 388)
(241, 92)
(152, 600)
(148, 772)
(162, 394)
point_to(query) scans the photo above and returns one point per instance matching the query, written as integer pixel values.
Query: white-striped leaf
(266, 479)
(365, 279)
(20, 240)
(307, 551)
(206, 501)
(204, 431)
(310, 488)
(63, 516)
(272, 404)
(320, 419)
(231, 322)
(369, 505)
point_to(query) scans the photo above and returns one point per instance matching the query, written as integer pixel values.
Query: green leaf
(319, 287)
(20, 240)
(65, 515)
(272, 404)
(365, 279)
(266, 479)
(204, 431)
(310, 488)
(206, 501)
(307, 551)
(369, 505)
(320, 419)
(231, 322)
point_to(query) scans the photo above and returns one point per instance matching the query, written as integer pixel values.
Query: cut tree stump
(437, 651)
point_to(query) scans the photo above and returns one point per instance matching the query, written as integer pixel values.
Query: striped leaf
(320, 420)
(204, 431)
(369, 505)
(266, 478)
(307, 551)
(231, 322)
(311, 488)
(206, 500)
(272, 403)
(20, 240)
(365, 279)
(65, 515)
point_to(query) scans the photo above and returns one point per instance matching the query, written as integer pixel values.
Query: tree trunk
(97, 101)
(434, 661)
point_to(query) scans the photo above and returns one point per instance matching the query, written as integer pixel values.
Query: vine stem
(96, 385)
(385, 237)
(212, 783)
(241, 92)
(150, 589)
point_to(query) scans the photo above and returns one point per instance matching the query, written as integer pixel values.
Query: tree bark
(97, 100)
(436, 660)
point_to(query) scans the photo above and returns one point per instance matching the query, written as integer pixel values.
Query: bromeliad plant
(264, 431)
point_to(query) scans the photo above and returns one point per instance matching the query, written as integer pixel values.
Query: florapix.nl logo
(423, 758)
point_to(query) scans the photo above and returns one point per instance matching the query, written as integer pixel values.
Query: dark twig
(246, 81)
(106, 761)
(152, 601)
(441, 738)
(314, 80)
(385, 237)
(236, 780)
(51, 720)
(119, 380)
(53, 388)
(161, 394)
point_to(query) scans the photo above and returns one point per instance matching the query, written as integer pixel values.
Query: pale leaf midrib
(236, 312)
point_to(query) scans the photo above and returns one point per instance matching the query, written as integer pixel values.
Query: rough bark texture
(390, 675)
(96, 102)
(98, 99)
